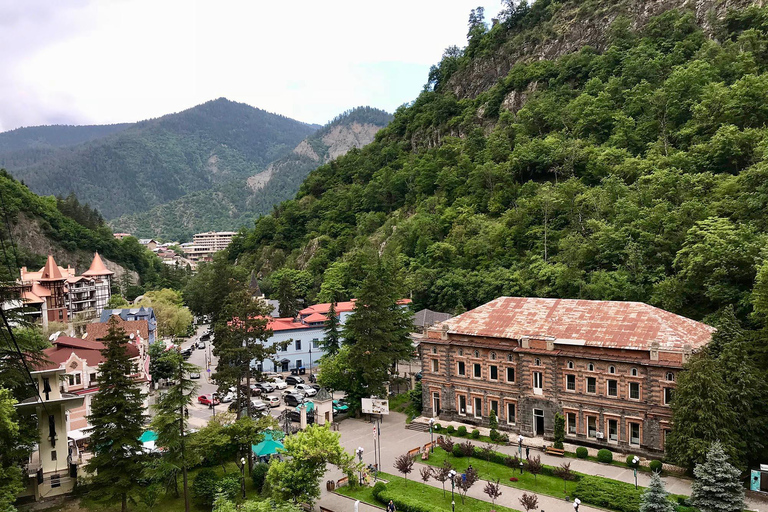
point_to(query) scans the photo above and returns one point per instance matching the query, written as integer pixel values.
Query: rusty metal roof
(592, 323)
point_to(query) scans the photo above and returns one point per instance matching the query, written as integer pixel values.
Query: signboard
(375, 406)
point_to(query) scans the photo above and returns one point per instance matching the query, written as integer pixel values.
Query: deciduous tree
(493, 490)
(404, 465)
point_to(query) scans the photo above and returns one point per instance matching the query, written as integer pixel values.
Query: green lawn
(543, 484)
(425, 494)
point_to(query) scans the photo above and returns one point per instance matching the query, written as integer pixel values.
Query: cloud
(104, 62)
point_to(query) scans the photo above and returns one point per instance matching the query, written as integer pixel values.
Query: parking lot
(200, 414)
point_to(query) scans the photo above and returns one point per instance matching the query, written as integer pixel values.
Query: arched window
(537, 362)
(477, 353)
(591, 367)
(633, 372)
(510, 358)
(570, 365)
(611, 369)
(670, 376)
(434, 350)
(493, 356)
(461, 351)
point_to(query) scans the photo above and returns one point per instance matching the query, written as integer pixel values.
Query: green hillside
(155, 161)
(636, 172)
(239, 202)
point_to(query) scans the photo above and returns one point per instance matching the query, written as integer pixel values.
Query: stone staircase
(418, 426)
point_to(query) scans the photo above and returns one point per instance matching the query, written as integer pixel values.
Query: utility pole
(183, 442)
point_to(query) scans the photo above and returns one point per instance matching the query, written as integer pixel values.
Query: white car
(259, 406)
(306, 389)
(227, 397)
(272, 401)
(293, 392)
(278, 383)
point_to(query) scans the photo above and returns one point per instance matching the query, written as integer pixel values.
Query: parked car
(278, 383)
(186, 353)
(271, 375)
(316, 386)
(259, 406)
(292, 380)
(340, 407)
(205, 337)
(272, 401)
(306, 389)
(265, 387)
(227, 397)
(292, 392)
(194, 375)
(208, 399)
(201, 344)
(292, 399)
(312, 377)
(296, 416)
(252, 392)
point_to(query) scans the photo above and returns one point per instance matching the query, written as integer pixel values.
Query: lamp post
(431, 435)
(521, 467)
(242, 472)
(635, 462)
(452, 476)
(359, 453)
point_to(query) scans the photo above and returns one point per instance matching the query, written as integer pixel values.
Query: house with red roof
(609, 367)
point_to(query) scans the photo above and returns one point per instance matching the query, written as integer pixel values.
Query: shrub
(475, 434)
(462, 431)
(378, 489)
(467, 448)
(582, 452)
(605, 456)
(494, 434)
(630, 457)
(450, 429)
(502, 438)
(228, 486)
(656, 466)
(610, 494)
(258, 475)
(457, 451)
(446, 443)
(559, 431)
(511, 462)
(204, 486)
(437, 427)
(493, 422)
(405, 503)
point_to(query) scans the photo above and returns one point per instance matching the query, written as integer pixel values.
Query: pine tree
(117, 419)
(170, 423)
(287, 296)
(655, 498)
(559, 430)
(331, 341)
(717, 487)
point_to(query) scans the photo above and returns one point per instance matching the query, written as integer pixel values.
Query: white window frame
(514, 410)
(463, 410)
(568, 424)
(490, 372)
(435, 366)
(608, 388)
(461, 368)
(594, 434)
(538, 383)
(514, 377)
(475, 408)
(629, 391)
(475, 366)
(639, 433)
(586, 386)
(567, 376)
(611, 438)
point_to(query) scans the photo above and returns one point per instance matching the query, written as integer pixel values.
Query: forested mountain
(155, 161)
(635, 171)
(241, 201)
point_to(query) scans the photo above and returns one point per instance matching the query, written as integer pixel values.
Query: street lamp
(242, 472)
(521, 467)
(635, 462)
(431, 435)
(452, 476)
(359, 453)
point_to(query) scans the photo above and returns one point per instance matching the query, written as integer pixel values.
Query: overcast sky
(109, 61)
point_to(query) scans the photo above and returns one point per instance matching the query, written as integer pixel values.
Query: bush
(462, 431)
(204, 486)
(457, 451)
(475, 434)
(610, 494)
(229, 486)
(437, 427)
(450, 429)
(467, 449)
(656, 466)
(378, 489)
(494, 435)
(630, 458)
(582, 452)
(258, 475)
(605, 456)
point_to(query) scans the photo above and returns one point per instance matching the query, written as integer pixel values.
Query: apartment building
(609, 367)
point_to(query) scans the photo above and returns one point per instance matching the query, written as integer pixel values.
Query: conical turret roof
(51, 271)
(97, 267)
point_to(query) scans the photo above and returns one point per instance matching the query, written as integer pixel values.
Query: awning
(268, 446)
(78, 434)
(285, 361)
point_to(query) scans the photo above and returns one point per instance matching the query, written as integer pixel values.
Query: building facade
(609, 367)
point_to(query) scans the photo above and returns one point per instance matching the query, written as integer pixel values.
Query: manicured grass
(543, 484)
(425, 494)
(459, 439)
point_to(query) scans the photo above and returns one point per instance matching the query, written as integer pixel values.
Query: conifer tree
(331, 341)
(655, 498)
(170, 423)
(717, 487)
(117, 419)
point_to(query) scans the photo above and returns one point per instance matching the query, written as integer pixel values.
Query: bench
(413, 453)
(342, 482)
(323, 509)
(551, 450)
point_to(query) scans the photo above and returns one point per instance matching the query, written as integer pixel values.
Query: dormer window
(591, 367)
(570, 365)
(633, 372)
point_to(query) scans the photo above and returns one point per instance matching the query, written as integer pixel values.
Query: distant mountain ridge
(239, 202)
(122, 169)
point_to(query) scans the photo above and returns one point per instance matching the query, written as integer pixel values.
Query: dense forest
(239, 202)
(128, 169)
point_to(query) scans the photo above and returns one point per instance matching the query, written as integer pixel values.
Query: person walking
(527, 452)
(391, 506)
(576, 504)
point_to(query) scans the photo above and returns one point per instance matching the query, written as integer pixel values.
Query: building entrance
(538, 422)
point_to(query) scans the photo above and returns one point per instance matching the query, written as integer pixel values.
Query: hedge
(258, 475)
(612, 494)
(406, 503)
(378, 489)
(475, 434)
(656, 466)
(605, 456)
(462, 431)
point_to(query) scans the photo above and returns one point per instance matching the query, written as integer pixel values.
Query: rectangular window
(462, 404)
(478, 407)
(538, 380)
(478, 370)
(298, 345)
(570, 418)
(495, 407)
(613, 388)
(510, 413)
(669, 393)
(435, 366)
(71, 380)
(613, 430)
(77, 378)
(591, 385)
(634, 390)
(591, 426)
(298, 363)
(461, 370)
(510, 375)
(53, 455)
(92, 378)
(494, 372)
(634, 433)
(570, 382)
(315, 343)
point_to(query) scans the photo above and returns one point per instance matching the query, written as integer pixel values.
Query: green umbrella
(148, 436)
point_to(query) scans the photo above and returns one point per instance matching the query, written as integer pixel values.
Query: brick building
(609, 367)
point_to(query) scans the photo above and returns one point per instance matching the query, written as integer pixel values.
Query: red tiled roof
(97, 267)
(322, 308)
(90, 352)
(66, 341)
(40, 290)
(593, 323)
(98, 330)
(285, 324)
(51, 271)
(30, 298)
(315, 317)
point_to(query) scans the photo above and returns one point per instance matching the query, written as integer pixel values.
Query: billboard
(375, 406)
